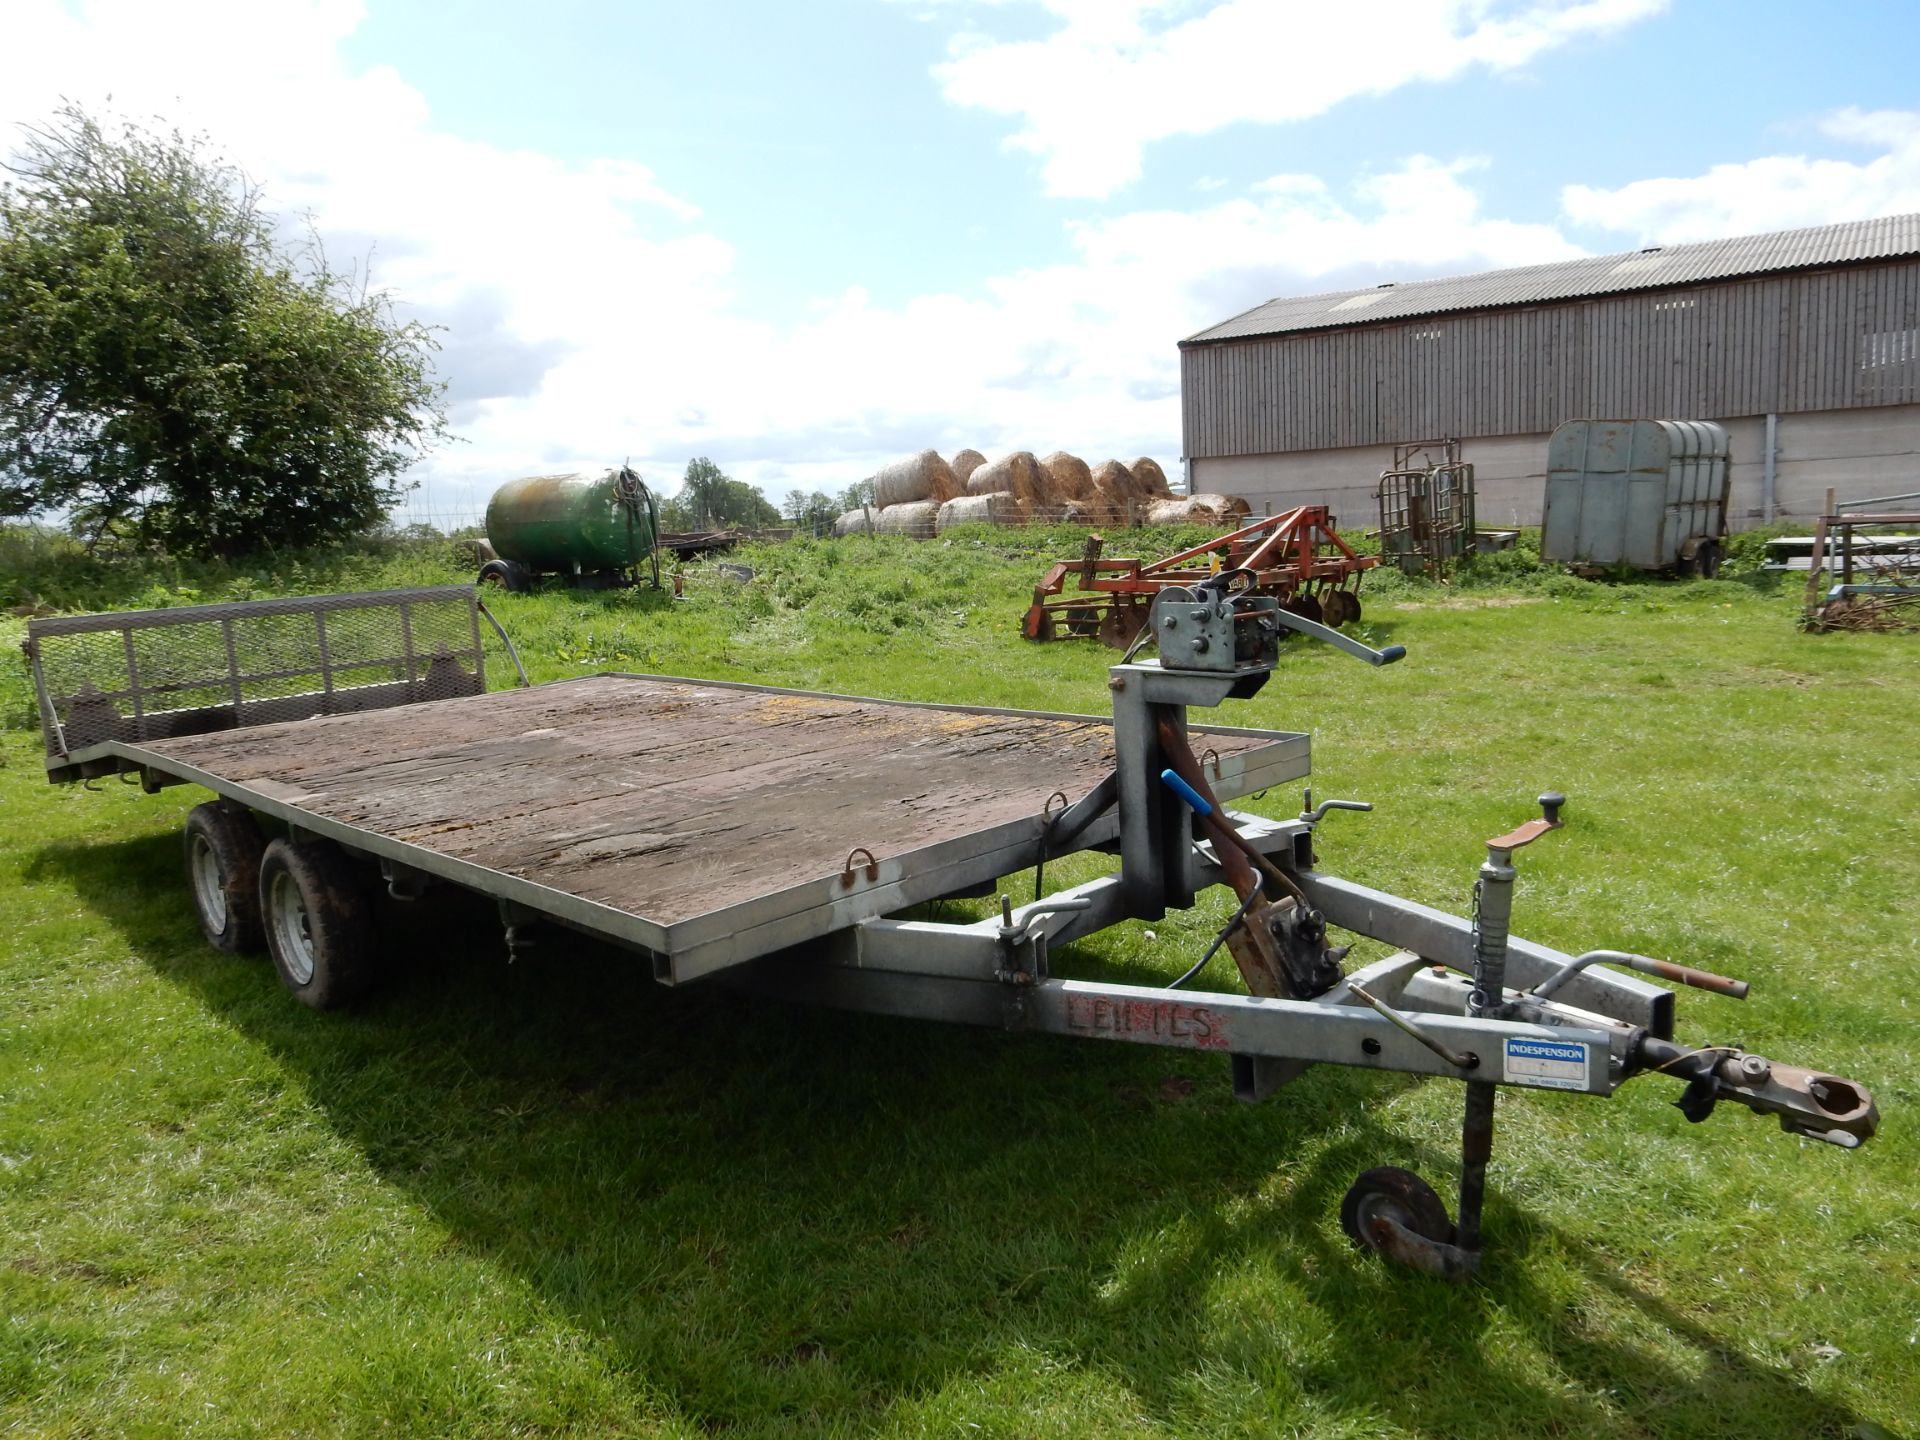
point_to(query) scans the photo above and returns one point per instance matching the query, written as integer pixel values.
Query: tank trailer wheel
(504, 574)
(1706, 560)
(1388, 1192)
(319, 922)
(223, 849)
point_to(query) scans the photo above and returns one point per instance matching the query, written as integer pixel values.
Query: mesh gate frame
(1427, 516)
(139, 675)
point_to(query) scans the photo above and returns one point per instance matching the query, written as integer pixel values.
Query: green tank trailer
(593, 531)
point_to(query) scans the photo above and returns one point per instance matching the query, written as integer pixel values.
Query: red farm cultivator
(1296, 557)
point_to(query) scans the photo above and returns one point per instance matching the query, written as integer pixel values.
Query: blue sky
(804, 238)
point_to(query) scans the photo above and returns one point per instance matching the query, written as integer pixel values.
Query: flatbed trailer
(769, 839)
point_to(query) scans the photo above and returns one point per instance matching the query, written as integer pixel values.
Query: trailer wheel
(505, 574)
(223, 849)
(319, 922)
(1706, 560)
(1389, 1192)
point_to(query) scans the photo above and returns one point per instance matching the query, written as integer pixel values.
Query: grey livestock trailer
(769, 838)
(1651, 494)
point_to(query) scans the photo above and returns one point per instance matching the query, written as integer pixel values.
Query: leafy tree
(710, 499)
(856, 495)
(169, 376)
(814, 511)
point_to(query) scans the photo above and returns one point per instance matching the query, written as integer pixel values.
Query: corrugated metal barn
(1810, 336)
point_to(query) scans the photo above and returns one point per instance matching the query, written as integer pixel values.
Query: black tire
(319, 922)
(1706, 560)
(1387, 1190)
(223, 849)
(505, 574)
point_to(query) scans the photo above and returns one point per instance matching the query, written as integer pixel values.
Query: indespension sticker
(1555, 1064)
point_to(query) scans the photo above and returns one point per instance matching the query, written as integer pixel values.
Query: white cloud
(591, 311)
(1776, 192)
(1120, 74)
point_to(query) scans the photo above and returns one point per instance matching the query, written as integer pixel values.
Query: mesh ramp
(141, 675)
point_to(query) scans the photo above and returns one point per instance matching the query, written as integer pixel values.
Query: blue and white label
(1555, 1064)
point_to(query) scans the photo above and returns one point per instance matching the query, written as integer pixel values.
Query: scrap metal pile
(1875, 580)
(1297, 557)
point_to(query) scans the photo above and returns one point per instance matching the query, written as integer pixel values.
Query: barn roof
(1656, 268)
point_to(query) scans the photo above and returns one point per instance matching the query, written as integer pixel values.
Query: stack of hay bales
(924, 494)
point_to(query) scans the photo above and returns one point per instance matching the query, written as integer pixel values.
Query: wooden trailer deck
(709, 823)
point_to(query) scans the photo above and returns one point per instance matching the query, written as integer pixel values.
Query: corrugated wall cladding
(1828, 340)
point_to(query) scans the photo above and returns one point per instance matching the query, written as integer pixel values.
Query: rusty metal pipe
(1645, 965)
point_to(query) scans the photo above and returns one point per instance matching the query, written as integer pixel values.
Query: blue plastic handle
(1393, 653)
(1195, 801)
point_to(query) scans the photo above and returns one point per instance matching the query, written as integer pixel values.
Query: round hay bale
(976, 510)
(1018, 474)
(854, 522)
(916, 518)
(1115, 493)
(1227, 507)
(1147, 471)
(1181, 510)
(965, 463)
(1110, 477)
(920, 477)
(1068, 478)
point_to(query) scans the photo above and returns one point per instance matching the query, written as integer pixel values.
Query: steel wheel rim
(209, 885)
(292, 933)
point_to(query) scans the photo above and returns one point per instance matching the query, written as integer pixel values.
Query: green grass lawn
(554, 1198)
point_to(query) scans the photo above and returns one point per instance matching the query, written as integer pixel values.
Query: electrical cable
(1218, 941)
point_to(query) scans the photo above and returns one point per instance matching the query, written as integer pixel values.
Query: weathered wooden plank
(667, 799)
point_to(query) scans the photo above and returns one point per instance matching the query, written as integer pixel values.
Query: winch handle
(1314, 630)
